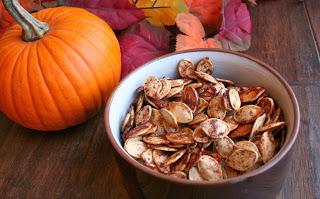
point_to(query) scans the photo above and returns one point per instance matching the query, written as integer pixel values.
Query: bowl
(244, 70)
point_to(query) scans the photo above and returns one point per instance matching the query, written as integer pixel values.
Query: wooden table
(79, 163)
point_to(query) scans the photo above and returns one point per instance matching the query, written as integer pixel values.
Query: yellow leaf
(161, 12)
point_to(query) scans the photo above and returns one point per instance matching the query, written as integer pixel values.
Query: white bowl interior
(242, 71)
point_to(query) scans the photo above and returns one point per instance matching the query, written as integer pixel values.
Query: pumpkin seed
(216, 108)
(224, 146)
(165, 90)
(152, 86)
(197, 119)
(174, 91)
(140, 130)
(159, 157)
(226, 82)
(215, 128)
(183, 136)
(200, 136)
(143, 115)
(247, 114)
(163, 148)
(125, 122)
(184, 68)
(266, 146)
(257, 125)
(276, 116)
(146, 156)
(219, 89)
(149, 101)
(190, 97)
(271, 127)
(172, 145)
(179, 174)
(195, 85)
(183, 162)
(231, 122)
(247, 145)
(242, 159)
(169, 129)
(181, 112)
(209, 168)
(139, 103)
(176, 82)
(174, 157)
(169, 118)
(267, 104)
(205, 65)
(132, 115)
(229, 172)
(154, 139)
(242, 130)
(134, 147)
(203, 104)
(195, 155)
(251, 94)
(194, 174)
(234, 98)
(187, 82)
(156, 119)
(206, 77)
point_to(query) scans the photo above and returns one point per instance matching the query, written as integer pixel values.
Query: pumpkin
(56, 67)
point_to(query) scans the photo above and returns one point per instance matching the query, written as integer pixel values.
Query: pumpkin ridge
(46, 84)
(11, 88)
(50, 53)
(5, 52)
(98, 101)
(30, 91)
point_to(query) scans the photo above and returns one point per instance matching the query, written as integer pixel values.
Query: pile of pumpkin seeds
(200, 127)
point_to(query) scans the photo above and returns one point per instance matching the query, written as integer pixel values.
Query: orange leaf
(208, 11)
(194, 34)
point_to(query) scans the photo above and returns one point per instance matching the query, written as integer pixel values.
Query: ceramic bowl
(244, 70)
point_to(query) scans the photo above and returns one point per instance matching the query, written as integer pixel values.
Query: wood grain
(75, 163)
(79, 162)
(282, 38)
(303, 181)
(313, 9)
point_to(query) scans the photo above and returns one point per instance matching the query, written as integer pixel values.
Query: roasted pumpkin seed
(247, 114)
(215, 128)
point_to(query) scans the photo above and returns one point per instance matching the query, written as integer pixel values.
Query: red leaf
(235, 31)
(141, 43)
(208, 11)
(119, 14)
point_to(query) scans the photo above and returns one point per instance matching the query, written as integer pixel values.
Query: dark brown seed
(190, 97)
(242, 130)
(251, 94)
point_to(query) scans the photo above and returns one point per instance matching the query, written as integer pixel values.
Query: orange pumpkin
(60, 71)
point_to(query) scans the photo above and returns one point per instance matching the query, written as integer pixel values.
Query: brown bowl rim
(223, 182)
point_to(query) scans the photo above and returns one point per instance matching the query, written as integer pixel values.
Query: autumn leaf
(119, 14)
(208, 11)
(161, 12)
(194, 34)
(141, 43)
(235, 31)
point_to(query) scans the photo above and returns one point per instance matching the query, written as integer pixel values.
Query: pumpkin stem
(33, 29)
